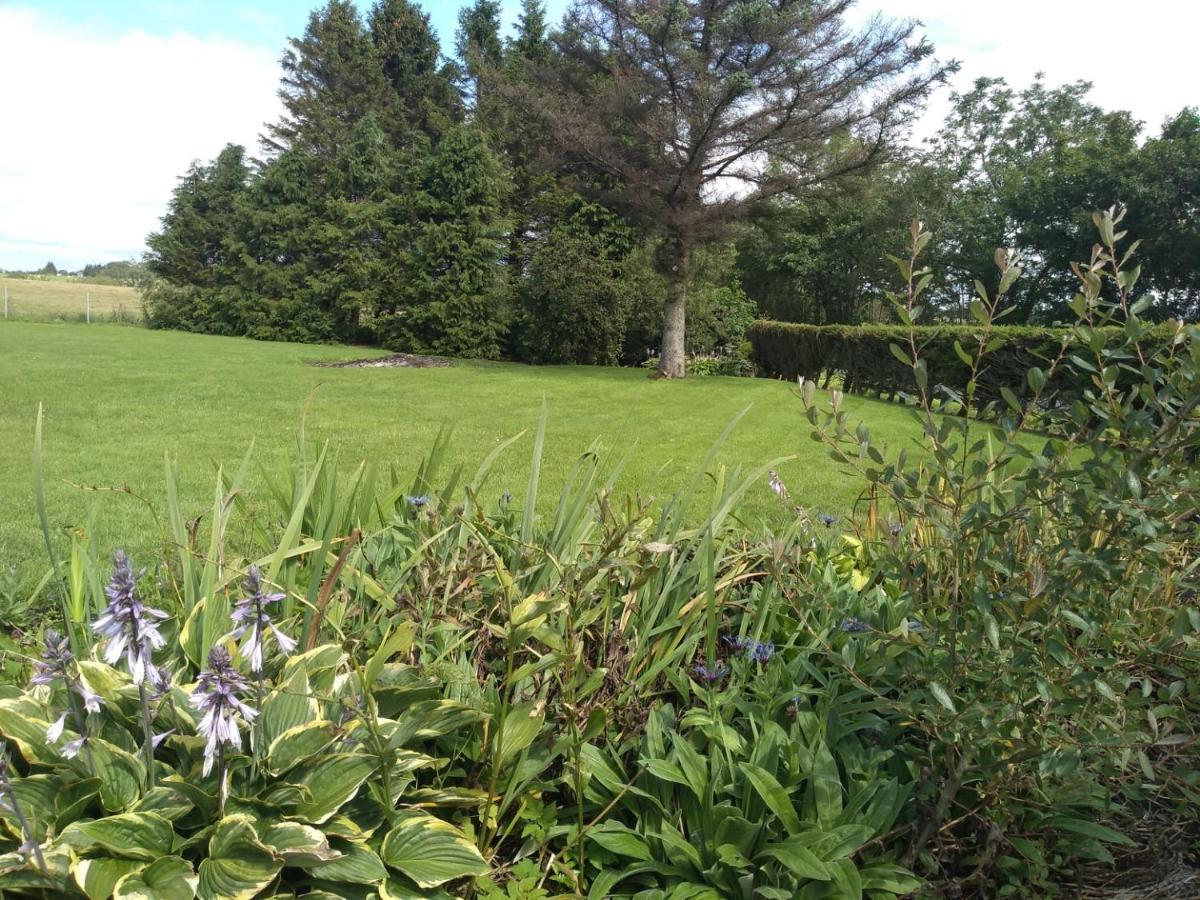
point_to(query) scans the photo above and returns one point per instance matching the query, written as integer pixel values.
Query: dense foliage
(384, 687)
(862, 360)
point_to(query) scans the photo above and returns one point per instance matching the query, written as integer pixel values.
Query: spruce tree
(331, 79)
(479, 46)
(453, 298)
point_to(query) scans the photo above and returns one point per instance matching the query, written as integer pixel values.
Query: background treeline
(405, 200)
(402, 201)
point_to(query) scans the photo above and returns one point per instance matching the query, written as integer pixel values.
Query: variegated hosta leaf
(297, 844)
(239, 865)
(430, 851)
(168, 878)
(144, 835)
(98, 877)
(331, 783)
(287, 707)
(358, 864)
(299, 744)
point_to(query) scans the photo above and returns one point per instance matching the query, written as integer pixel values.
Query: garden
(386, 684)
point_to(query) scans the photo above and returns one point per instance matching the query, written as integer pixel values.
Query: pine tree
(331, 79)
(408, 53)
(479, 46)
(453, 298)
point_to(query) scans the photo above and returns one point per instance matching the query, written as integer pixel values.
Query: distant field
(64, 300)
(116, 399)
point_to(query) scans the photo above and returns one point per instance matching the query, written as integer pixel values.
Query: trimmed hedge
(862, 356)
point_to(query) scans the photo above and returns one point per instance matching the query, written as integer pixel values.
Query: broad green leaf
(22, 722)
(774, 796)
(826, 786)
(120, 773)
(97, 877)
(620, 839)
(287, 707)
(168, 878)
(358, 864)
(331, 783)
(144, 835)
(430, 851)
(521, 727)
(297, 844)
(889, 877)
(238, 864)
(799, 860)
(299, 744)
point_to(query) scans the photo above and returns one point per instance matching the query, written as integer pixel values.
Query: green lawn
(116, 398)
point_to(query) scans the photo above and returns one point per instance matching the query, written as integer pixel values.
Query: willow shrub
(419, 687)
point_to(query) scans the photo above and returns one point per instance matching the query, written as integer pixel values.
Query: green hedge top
(862, 356)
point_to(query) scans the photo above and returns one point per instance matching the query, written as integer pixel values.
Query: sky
(104, 105)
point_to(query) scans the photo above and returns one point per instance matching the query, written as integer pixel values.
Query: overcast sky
(104, 105)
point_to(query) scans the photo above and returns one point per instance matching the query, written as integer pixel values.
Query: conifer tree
(453, 299)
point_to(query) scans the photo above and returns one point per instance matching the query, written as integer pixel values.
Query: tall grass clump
(384, 686)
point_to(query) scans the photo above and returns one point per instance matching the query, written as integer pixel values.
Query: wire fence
(49, 301)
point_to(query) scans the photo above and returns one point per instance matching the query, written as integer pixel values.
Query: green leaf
(826, 786)
(620, 839)
(120, 773)
(145, 836)
(97, 877)
(288, 707)
(331, 783)
(297, 844)
(167, 878)
(900, 354)
(774, 796)
(941, 696)
(238, 865)
(358, 864)
(799, 860)
(1090, 829)
(889, 877)
(430, 851)
(521, 727)
(299, 744)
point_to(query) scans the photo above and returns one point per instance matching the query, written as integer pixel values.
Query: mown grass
(62, 299)
(117, 399)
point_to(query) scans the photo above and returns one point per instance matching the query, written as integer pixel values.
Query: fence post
(87, 299)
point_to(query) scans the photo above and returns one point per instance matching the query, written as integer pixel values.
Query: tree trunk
(672, 362)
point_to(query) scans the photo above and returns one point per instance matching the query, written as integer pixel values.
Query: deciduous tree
(698, 109)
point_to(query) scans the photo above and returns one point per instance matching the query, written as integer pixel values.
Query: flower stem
(147, 734)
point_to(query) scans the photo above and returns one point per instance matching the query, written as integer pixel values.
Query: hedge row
(862, 356)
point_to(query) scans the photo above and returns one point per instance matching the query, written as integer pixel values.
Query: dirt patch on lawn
(395, 361)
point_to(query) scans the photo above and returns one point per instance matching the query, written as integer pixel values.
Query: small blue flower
(506, 498)
(762, 653)
(895, 528)
(916, 625)
(418, 501)
(827, 520)
(713, 675)
(736, 642)
(855, 625)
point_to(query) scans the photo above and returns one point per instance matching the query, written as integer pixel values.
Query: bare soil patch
(395, 361)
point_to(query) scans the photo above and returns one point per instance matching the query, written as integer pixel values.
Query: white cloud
(99, 126)
(1138, 56)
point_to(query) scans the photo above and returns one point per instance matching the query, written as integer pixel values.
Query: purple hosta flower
(56, 663)
(217, 698)
(827, 520)
(252, 612)
(855, 625)
(711, 675)
(778, 486)
(128, 626)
